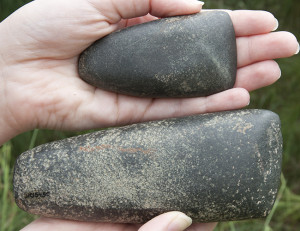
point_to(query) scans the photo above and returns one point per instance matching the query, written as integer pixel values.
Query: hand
(40, 44)
(171, 221)
(40, 87)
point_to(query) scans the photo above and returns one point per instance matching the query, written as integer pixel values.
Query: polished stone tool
(214, 167)
(183, 56)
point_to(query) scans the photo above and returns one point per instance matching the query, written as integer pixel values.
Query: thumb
(171, 221)
(124, 9)
(63, 29)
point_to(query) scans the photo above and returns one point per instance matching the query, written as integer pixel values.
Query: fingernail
(297, 52)
(197, 2)
(180, 222)
(248, 103)
(279, 73)
(276, 26)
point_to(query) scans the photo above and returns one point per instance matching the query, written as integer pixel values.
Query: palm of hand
(43, 80)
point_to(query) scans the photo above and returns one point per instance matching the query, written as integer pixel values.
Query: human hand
(171, 221)
(41, 42)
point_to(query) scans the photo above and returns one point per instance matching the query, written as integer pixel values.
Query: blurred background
(283, 98)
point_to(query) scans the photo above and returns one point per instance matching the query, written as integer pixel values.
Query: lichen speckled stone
(183, 56)
(214, 167)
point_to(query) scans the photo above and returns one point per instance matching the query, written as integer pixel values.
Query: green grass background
(282, 98)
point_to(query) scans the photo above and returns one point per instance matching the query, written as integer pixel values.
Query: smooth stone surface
(184, 56)
(214, 167)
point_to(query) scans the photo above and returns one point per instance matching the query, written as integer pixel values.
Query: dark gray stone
(214, 167)
(184, 56)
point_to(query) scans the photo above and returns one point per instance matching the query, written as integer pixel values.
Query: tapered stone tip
(183, 56)
(214, 167)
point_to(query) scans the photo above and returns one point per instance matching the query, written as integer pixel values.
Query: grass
(282, 98)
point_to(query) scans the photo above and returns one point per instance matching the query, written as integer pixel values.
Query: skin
(40, 87)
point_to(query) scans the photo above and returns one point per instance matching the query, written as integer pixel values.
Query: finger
(54, 35)
(116, 10)
(175, 7)
(227, 100)
(264, 47)
(258, 75)
(248, 22)
(171, 221)
(47, 224)
(202, 227)
(124, 109)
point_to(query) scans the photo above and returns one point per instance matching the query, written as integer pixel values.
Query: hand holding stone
(40, 82)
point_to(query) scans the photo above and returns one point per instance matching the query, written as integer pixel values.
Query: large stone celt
(183, 56)
(214, 167)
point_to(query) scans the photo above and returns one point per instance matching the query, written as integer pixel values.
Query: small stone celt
(183, 56)
(213, 167)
